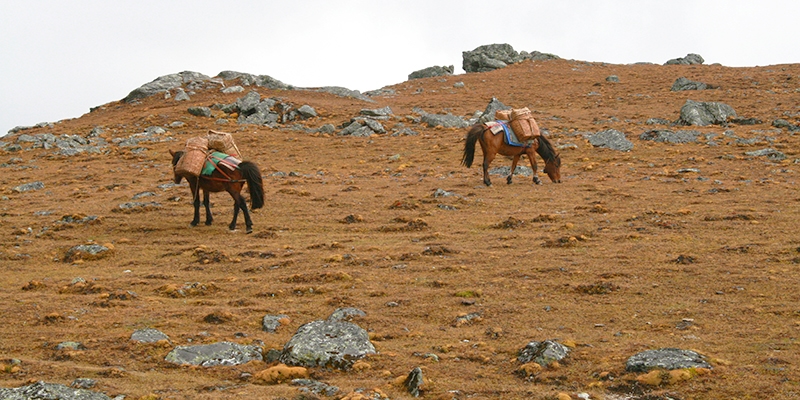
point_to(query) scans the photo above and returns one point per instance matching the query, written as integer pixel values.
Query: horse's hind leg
(207, 205)
(487, 159)
(248, 223)
(514, 162)
(195, 202)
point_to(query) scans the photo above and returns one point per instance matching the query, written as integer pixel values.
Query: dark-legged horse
(231, 182)
(492, 145)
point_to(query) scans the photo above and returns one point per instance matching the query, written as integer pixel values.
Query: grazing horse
(491, 144)
(230, 181)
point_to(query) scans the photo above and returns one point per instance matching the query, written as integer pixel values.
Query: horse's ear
(172, 153)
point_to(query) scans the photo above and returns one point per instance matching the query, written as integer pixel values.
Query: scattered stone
(233, 89)
(315, 387)
(543, 353)
(490, 110)
(83, 383)
(346, 314)
(377, 112)
(74, 346)
(612, 78)
(444, 120)
(86, 252)
(38, 185)
(521, 170)
(148, 335)
(771, 154)
(611, 139)
(270, 323)
(784, 124)
(199, 111)
(305, 111)
(211, 355)
(668, 136)
(414, 381)
(684, 83)
(666, 358)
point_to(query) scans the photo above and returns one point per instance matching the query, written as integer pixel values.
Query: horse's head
(176, 155)
(552, 167)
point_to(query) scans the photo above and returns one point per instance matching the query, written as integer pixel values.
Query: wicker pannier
(194, 158)
(523, 124)
(223, 142)
(502, 115)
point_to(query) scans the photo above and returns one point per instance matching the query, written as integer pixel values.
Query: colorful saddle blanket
(502, 126)
(216, 160)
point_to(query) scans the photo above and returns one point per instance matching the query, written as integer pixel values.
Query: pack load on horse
(207, 163)
(513, 134)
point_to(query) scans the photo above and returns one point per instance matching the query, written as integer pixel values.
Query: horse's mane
(546, 150)
(177, 156)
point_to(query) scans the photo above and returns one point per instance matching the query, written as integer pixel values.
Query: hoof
(208, 223)
(249, 231)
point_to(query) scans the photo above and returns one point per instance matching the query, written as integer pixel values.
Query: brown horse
(492, 144)
(231, 182)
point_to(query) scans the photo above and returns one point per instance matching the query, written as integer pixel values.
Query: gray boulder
(705, 113)
(165, 84)
(246, 79)
(684, 83)
(611, 139)
(543, 353)
(668, 136)
(444, 120)
(489, 57)
(306, 111)
(538, 56)
(377, 112)
(690, 59)
(346, 314)
(666, 358)
(771, 154)
(784, 124)
(199, 111)
(327, 343)
(49, 391)
(491, 108)
(181, 95)
(211, 355)
(27, 187)
(431, 72)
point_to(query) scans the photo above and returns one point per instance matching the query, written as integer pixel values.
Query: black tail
(469, 146)
(546, 150)
(254, 183)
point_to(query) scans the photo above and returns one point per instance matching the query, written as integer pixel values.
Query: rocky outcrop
(690, 59)
(431, 72)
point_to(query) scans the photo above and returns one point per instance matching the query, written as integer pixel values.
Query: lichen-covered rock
(148, 335)
(666, 358)
(211, 355)
(48, 391)
(327, 343)
(611, 139)
(543, 353)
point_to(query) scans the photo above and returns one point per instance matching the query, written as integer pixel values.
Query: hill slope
(689, 246)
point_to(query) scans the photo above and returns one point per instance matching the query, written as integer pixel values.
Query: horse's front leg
(514, 162)
(531, 157)
(207, 204)
(236, 206)
(195, 202)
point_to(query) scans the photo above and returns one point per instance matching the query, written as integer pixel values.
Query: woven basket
(521, 113)
(502, 115)
(523, 124)
(223, 142)
(194, 158)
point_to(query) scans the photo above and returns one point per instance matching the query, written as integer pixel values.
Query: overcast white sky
(59, 58)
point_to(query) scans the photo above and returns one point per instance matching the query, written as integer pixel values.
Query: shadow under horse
(231, 182)
(492, 144)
